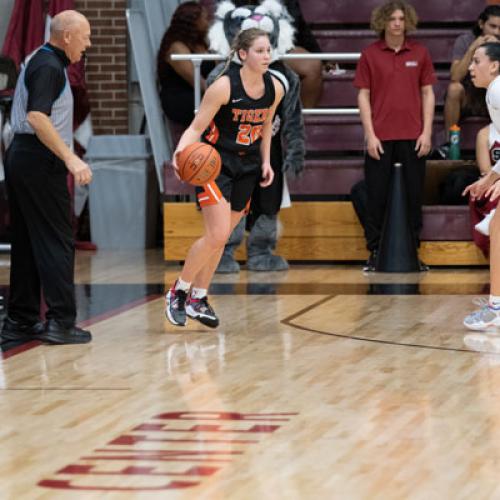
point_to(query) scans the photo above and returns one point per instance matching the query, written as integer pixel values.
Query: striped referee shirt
(43, 86)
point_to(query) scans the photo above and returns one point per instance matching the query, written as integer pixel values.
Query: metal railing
(197, 59)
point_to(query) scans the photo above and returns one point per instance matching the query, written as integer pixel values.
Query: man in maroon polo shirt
(396, 102)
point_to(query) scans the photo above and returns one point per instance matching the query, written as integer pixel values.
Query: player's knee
(309, 69)
(455, 91)
(217, 239)
(314, 68)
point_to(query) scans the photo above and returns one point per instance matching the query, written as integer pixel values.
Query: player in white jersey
(494, 142)
(485, 73)
(482, 211)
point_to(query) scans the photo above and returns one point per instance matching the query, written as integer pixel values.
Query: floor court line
(289, 322)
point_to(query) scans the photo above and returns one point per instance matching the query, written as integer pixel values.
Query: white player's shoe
(482, 319)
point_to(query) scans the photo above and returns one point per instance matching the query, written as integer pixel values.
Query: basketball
(198, 163)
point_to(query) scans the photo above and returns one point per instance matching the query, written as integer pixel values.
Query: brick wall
(107, 64)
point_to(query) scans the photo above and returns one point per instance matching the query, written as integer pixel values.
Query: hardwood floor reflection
(320, 383)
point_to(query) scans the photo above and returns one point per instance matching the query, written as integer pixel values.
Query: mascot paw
(293, 170)
(227, 265)
(267, 263)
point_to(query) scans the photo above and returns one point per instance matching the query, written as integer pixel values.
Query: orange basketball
(198, 163)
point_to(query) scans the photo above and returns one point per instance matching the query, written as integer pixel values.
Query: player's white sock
(494, 301)
(198, 293)
(180, 284)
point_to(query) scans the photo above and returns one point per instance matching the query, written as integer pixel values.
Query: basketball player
(235, 116)
(482, 211)
(485, 73)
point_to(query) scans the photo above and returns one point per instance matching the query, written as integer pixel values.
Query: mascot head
(270, 16)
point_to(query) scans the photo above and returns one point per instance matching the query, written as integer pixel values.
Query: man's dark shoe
(369, 267)
(423, 267)
(16, 330)
(56, 334)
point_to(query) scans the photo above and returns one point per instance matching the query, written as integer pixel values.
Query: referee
(36, 167)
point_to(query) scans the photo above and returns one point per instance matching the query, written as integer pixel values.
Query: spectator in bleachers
(462, 97)
(309, 70)
(481, 211)
(396, 101)
(186, 34)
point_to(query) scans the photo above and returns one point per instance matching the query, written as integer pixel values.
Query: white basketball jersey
(493, 103)
(494, 144)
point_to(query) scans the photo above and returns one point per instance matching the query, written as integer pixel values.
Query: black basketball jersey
(237, 126)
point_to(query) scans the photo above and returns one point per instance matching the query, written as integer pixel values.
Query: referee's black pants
(378, 182)
(42, 253)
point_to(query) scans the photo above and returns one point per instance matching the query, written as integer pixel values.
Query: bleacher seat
(439, 42)
(345, 12)
(344, 133)
(339, 91)
(341, 174)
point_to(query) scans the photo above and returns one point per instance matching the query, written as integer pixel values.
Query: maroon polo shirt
(395, 80)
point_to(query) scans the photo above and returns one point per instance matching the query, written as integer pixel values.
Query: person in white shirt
(485, 73)
(483, 210)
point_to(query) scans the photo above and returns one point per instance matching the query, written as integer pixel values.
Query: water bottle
(454, 153)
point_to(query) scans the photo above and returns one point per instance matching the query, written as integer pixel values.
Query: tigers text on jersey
(237, 126)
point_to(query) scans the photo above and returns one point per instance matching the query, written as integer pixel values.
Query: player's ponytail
(228, 61)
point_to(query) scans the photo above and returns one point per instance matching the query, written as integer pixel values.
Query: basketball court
(321, 382)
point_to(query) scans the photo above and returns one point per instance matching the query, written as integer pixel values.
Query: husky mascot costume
(288, 143)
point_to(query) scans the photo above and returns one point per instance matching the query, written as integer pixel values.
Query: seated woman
(309, 70)
(482, 210)
(185, 35)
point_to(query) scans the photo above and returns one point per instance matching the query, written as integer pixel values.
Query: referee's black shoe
(13, 331)
(57, 334)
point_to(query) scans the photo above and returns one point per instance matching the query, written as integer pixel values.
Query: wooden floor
(320, 383)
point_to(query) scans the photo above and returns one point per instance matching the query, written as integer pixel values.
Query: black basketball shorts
(238, 177)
